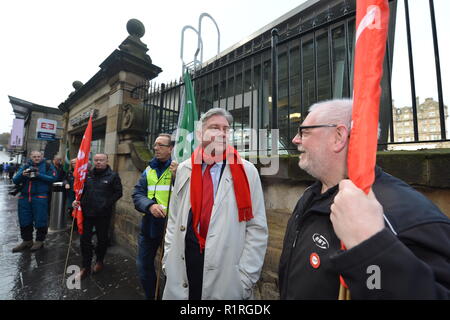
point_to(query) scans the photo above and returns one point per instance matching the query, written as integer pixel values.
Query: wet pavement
(39, 275)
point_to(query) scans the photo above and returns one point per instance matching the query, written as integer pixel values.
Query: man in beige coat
(216, 236)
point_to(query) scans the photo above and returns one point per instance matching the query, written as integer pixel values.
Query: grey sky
(423, 52)
(46, 45)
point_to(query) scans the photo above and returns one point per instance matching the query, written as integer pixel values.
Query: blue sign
(46, 136)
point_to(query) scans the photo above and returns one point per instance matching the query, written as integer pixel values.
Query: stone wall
(126, 218)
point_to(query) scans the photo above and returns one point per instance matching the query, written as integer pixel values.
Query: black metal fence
(312, 55)
(161, 104)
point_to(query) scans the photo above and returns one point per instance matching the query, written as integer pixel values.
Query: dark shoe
(37, 245)
(24, 245)
(83, 274)
(98, 267)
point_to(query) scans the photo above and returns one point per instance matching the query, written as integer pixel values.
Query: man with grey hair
(398, 242)
(216, 236)
(35, 179)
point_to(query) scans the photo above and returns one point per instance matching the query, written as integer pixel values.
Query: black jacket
(60, 174)
(412, 252)
(101, 190)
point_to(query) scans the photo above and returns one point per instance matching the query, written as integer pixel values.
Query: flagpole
(162, 241)
(68, 252)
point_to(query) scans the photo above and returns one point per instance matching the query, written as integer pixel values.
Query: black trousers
(27, 233)
(101, 225)
(194, 262)
(147, 249)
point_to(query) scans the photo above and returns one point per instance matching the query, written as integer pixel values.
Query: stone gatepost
(125, 127)
(119, 117)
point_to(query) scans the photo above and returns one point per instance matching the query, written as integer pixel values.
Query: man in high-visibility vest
(151, 198)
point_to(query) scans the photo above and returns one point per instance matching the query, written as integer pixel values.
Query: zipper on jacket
(288, 267)
(295, 240)
(29, 192)
(298, 228)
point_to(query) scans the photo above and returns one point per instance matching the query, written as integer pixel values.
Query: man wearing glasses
(151, 198)
(217, 234)
(398, 242)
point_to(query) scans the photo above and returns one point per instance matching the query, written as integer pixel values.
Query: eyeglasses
(300, 128)
(160, 145)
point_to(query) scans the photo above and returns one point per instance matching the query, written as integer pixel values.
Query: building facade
(31, 113)
(428, 123)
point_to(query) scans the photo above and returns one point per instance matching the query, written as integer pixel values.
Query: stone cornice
(117, 61)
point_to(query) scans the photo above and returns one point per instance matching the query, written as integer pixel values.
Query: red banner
(80, 173)
(372, 19)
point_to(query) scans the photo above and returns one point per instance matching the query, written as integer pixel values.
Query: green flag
(185, 138)
(66, 166)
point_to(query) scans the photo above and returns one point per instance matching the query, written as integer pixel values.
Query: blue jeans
(147, 248)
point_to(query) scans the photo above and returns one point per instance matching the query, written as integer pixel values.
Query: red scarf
(242, 194)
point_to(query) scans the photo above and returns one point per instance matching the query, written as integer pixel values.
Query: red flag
(372, 19)
(80, 173)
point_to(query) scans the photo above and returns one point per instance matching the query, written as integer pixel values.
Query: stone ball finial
(77, 84)
(135, 28)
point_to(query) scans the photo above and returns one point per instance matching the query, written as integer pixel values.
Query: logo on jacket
(314, 260)
(320, 241)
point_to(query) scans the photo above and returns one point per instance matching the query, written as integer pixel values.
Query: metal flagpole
(68, 252)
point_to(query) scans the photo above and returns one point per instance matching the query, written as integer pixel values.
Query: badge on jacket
(314, 260)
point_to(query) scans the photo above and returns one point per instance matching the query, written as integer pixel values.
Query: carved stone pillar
(132, 132)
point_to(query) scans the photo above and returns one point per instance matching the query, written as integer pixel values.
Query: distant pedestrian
(35, 179)
(68, 186)
(6, 170)
(60, 175)
(1, 170)
(57, 163)
(102, 189)
(12, 170)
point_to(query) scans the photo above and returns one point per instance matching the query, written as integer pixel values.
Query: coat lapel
(185, 177)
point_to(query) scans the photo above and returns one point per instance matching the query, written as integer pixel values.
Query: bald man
(35, 179)
(102, 189)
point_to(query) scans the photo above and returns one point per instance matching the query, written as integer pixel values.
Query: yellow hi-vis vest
(159, 188)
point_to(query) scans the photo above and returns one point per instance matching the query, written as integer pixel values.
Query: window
(294, 91)
(309, 96)
(340, 83)
(323, 67)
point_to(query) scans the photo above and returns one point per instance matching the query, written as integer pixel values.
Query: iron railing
(312, 54)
